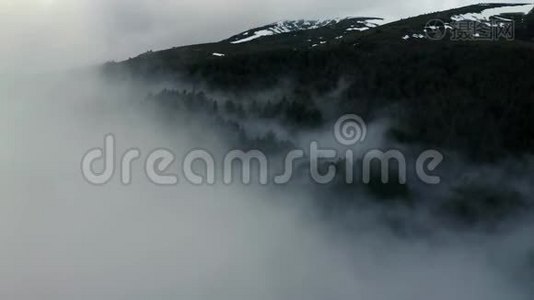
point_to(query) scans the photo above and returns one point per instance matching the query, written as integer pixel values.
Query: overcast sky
(39, 35)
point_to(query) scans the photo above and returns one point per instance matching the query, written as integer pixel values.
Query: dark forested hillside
(476, 97)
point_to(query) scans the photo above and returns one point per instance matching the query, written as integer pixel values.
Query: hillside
(432, 83)
(308, 35)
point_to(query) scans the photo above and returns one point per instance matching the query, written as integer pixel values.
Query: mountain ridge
(305, 35)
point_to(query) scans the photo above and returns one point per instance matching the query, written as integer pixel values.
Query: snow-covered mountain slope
(338, 28)
(341, 24)
(488, 13)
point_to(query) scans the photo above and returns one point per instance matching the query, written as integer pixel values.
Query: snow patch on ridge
(256, 35)
(284, 27)
(354, 24)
